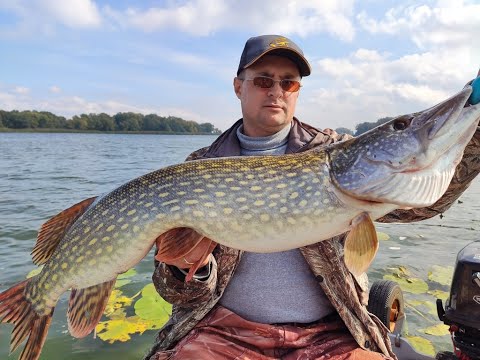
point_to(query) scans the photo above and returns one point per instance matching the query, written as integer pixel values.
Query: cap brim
(295, 56)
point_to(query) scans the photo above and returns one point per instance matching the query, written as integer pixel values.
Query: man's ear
(237, 86)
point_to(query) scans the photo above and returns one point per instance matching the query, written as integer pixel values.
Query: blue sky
(370, 59)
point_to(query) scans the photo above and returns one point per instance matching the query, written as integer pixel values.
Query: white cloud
(368, 85)
(55, 89)
(21, 90)
(203, 17)
(43, 16)
(445, 23)
(72, 13)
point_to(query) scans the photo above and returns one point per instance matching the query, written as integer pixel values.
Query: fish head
(410, 160)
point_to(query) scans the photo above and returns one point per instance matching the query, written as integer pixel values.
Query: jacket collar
(227, 143)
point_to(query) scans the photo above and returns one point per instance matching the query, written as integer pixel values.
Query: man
(297, 304)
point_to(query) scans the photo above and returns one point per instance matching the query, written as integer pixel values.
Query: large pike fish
(259, 204)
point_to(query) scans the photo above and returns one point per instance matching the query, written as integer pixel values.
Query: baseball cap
(257, 46)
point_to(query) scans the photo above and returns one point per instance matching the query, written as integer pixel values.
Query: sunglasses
(267, 83)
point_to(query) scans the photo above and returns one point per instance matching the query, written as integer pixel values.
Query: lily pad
(408, 283)
(117, 301)
(120, 329)
(441, 274)
(439, 294)
(421, 344)
(152, 307)
(382, 236)
(123, 279)
(436, 330)
(421, 305)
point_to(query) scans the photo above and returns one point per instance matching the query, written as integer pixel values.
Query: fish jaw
(410, 160)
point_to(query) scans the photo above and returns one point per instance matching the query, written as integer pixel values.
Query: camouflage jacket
(348, 294)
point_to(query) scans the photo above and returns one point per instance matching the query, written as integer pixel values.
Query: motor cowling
(462, 308)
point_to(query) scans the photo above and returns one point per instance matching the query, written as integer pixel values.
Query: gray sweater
(277, 287)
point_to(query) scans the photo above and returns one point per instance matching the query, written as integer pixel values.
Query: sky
(370, 59)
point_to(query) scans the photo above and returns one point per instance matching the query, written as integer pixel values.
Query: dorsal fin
(54, 229)
(86, 307)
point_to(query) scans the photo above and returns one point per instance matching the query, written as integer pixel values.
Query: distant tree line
(363, 127)
(120, 122)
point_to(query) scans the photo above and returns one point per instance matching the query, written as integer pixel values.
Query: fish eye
(401, 123)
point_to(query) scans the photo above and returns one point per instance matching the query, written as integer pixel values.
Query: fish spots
(241, 199)
(283, 210)
(124, 226)
(255, 188)
(175, 208)
(207, 176)
(264, 217)
(198, 213)
(79, 259)
(235, 188)
(99, 251)
(110, 228)
(294, 195)
(54, 277)
(326, 201)
(170, 202)
(160, 216)
(131, 212)
(99, 226)
(247, 216)
(181, 193)
(291, 174)
(64, 266)
(109, 248)
(291, 221)
(191, 202)
(93, 241)
(162, 195)
(198, 190)
(281, 186)
(87, 230)
(229, 179)
(227, 211)
(303, 203)
(259, 203)
(92, 262)
(106, 238)
(250, 176)
(213, 214)
(220, 194)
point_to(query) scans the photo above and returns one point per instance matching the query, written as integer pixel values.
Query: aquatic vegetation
(420, 303)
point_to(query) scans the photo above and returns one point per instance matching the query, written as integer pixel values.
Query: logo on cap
(476, 298)
(280, 42)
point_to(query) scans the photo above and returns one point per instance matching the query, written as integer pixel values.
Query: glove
(474, 98)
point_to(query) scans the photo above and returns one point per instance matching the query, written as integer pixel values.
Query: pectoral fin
(361, 244)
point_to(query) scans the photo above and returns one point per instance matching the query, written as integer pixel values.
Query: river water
(41, 174)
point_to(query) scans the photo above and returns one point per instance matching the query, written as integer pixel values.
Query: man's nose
(276, 90)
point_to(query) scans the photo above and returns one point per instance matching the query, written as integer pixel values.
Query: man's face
(267, 111)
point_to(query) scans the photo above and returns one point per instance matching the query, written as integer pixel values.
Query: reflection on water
(41, 174)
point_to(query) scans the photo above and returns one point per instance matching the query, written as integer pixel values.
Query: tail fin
(17, 310)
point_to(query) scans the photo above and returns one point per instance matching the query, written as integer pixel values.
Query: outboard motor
(462, 308)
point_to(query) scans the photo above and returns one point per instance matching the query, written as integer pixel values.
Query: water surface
(42, 174)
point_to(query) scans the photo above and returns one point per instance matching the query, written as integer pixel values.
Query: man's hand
(185, 249)
(474, 98)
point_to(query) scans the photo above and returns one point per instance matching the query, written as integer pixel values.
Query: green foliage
(365, 126)
(343, 130)
(129, 122)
